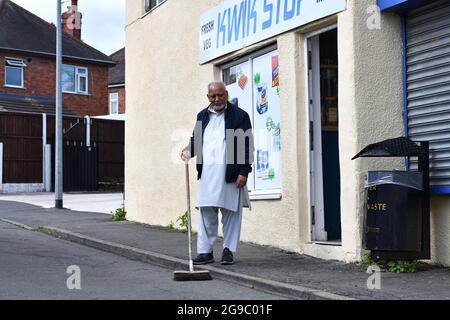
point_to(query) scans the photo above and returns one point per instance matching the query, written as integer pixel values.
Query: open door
(324, 133)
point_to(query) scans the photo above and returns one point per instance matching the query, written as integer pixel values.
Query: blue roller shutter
(428, 86)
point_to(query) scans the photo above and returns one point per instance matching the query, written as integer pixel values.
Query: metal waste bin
(397, 206)
(393, 213)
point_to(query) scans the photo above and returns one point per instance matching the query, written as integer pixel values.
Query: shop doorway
(324, 137)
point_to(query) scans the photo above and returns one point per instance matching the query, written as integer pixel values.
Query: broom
(190, 275)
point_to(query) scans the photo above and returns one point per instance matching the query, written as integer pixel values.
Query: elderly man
(223, 144)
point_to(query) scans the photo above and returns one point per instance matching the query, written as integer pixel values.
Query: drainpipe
(44, 142)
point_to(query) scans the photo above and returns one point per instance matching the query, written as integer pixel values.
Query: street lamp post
(58, 117)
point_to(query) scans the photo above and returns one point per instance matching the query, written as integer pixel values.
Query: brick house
(27, 64)
(116, 83)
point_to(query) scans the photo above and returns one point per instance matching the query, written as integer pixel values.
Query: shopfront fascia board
(401, 6)
(236, 24)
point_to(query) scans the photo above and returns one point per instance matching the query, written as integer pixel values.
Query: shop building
(320, 81)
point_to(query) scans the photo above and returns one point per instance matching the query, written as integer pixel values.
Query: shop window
(253, 85)
(14, 72)
(150, 4)
(74, 79)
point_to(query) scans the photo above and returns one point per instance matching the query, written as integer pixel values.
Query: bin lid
(397, 147)
(409, 179)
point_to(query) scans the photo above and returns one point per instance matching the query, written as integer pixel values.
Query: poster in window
(267, 166)
(254, 87)
(239, 86)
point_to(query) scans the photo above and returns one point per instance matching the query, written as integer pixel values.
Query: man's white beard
(218, 108)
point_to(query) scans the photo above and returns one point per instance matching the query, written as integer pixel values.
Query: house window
(74, 79)
(150, 4)
(14, 72)
(114, 103)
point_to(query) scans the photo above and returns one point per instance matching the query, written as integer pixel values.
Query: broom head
(191, 275)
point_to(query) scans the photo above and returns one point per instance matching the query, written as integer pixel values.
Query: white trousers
(208, 228)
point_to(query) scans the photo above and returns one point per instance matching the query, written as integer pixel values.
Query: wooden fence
(22, 137)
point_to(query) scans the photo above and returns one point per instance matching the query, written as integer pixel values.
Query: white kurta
(213, 190)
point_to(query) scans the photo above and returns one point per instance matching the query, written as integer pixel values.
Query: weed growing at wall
(402, 266)
(183, 221)
(181, 224)
(120, 215)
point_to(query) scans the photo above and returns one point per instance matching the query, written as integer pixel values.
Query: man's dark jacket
(235, 119)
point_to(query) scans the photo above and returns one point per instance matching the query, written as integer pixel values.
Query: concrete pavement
(92, 202)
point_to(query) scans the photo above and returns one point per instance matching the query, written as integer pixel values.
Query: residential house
(116, 83)
(27, 63)
(27, 100)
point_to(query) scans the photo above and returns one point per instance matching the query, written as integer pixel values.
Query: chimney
(71, 21)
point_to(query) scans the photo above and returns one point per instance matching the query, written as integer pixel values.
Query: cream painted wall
(165, 89)
(348, 131)
(440, 226)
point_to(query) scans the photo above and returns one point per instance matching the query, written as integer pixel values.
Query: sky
(103, 21)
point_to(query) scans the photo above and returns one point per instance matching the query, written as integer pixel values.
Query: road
(35, 266)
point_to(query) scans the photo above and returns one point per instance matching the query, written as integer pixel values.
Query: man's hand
(185, 155)
(241, 181)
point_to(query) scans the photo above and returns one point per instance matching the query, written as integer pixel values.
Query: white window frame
(79, 75)
(148, 7)
(14, 63)
(111, 99)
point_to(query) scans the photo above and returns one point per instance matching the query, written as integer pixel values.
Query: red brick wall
(39, 80)
(121, 91)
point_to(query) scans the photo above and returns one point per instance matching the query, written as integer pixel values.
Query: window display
(254, 87)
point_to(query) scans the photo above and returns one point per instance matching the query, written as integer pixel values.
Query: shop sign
(235, 24)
